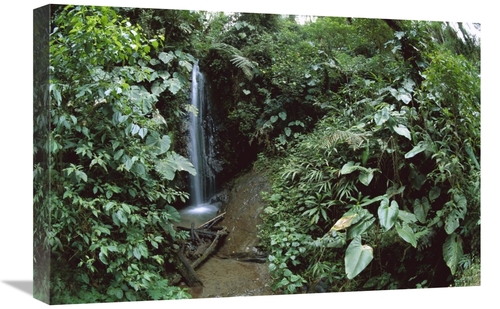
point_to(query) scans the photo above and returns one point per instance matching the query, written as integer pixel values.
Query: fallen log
(194, 234)
(205, 231)
(210, 249)
(187, 271)
(187, 268)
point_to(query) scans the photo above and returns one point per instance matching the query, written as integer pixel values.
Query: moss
(470, 276)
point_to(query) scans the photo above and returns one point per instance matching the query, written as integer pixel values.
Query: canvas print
(195, 154)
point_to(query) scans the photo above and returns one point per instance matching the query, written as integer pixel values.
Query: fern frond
(245, 64)
(353, 139)
(224, 48)
(241, 62)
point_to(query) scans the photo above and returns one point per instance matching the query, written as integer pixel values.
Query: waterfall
(196, 141)
(200, 150)
(202, 185)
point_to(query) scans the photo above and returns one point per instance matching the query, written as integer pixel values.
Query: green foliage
(372, 128)
(468, 271)
(452, 251)
(112, 161)
(41, 171)
(357, 257)
(388, 214)
(393, 162)
(290, 244)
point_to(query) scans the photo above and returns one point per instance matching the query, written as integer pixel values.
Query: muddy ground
(238, 267)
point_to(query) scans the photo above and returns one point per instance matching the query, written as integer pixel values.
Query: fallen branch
(194, 234)
(210, 249)
(212, 220)
(187, 270)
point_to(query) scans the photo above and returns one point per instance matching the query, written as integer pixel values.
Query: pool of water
(197, 214)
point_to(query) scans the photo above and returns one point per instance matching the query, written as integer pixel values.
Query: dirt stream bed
(237, 268)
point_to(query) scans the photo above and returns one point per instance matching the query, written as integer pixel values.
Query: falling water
(202, 185)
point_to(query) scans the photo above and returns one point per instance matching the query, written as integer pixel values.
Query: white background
(16, 152)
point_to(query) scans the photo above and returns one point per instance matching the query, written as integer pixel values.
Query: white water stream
(202, 186)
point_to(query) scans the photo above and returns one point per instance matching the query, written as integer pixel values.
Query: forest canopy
(369, 130)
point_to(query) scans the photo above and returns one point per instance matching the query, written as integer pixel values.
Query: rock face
(238, 267)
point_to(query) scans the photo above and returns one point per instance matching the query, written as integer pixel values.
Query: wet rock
(221, 197)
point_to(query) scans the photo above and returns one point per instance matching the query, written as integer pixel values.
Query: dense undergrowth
(104, 222)
(384, 192)
(370, 127)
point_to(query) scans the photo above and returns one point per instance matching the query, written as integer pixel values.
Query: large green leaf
(348, 168)
(166, 57)
(452, 251)
(381, 116)
(434, 193)
(366, 176)
(173, 163)
(139, 169)
(118, 118)
(122, 217)
(55, 91)
(163, 74)
(421, 208)
(357, 257)
(408, 84)
(174, 85)
(349, 218)
(158, 87)
(406, 216)
(172, 214)
(117, 155)
(80, 176)
(135, 129)
(387, 215)
(186, 64)
(458, 210)
(452, 222)
(164, 144)
(360, 227)
(401, 95)
(165, 170)
(282, 115)
(461, 202)
(402, 130)
(143, 132)
(406, 233)
(129, 162)
(154, 140)
(421, 146)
